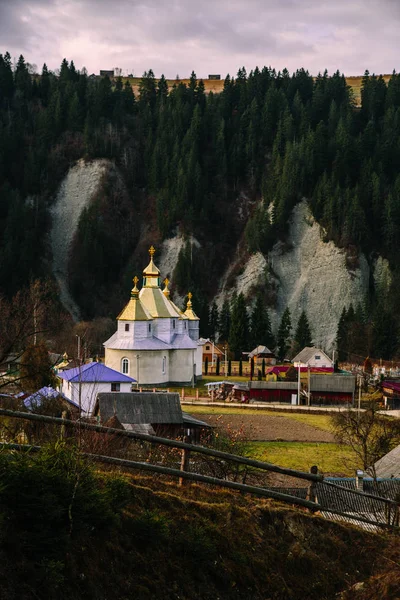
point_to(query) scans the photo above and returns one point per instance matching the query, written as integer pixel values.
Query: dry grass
(217, 86)
(334, 459)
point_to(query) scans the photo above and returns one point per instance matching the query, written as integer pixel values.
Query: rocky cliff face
(308, 274)
(313, 276)
(75, 193)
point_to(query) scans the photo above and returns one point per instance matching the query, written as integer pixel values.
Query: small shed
(273, 391)
(332, 389)
(149, 412)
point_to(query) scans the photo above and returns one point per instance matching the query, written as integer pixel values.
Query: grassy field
(329, 458)
(217, 86)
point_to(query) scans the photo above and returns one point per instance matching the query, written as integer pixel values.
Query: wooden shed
(156, 413)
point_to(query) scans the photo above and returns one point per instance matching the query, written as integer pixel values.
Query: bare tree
(370, 434)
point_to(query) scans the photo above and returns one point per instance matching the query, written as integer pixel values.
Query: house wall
(330, 398)
(89, 392)
(322, 361)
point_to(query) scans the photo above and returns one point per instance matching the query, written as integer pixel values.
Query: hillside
(69, 532)
(219, 184)
(217, 86)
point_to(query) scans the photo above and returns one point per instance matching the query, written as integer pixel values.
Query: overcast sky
(207, 36)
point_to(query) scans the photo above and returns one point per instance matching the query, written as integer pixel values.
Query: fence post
(63, 428)
(197, 393)
(185, 459)
(311, 491)
(183, 394)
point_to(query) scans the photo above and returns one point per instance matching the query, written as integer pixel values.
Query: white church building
(155, 343)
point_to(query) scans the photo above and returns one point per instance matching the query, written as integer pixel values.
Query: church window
(207, 347)
(115, 387)
(164, 364)
(173, 324)
(149, 328)
(125, 366)
(126, 326)
(185, 324)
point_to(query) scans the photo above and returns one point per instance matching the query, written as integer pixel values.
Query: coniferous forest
(186, 155)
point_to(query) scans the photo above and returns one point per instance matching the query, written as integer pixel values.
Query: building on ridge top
(155, 343)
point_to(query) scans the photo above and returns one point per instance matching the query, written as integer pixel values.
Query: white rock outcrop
(313, 276)
(168, 258)
(309, 274)
(75, 193)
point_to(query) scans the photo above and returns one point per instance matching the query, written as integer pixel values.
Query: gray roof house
(148, 412)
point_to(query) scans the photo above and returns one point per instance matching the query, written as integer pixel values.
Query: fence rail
(380, 512)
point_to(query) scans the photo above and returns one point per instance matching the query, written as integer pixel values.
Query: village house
(313, 358)
(211, 351)
(155, 342)
(154, 413)
(83, 383)
(262, 353)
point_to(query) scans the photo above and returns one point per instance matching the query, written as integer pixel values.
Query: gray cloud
(176, 36)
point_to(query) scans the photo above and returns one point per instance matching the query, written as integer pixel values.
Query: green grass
(318, 421)
(329, 458)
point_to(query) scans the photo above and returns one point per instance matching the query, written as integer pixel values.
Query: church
(155, 342)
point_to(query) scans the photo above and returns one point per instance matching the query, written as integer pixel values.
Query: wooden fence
(385, 505)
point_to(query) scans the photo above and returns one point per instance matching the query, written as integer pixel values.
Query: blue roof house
(82, 384)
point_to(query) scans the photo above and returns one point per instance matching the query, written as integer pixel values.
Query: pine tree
(302, 335)
(213, 321)
(284, 332)
(260, 325)
(224, 322)
(239, 330)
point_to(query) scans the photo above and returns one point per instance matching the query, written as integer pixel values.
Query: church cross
(152, 251)
(135, 280)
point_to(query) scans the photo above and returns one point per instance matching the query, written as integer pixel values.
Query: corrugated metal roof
(140, 408)
(307, 353)
(332, 383)
(181, 341)
(260, 350)
(190, 420)
(389, 465)
(94, 373)
(134, 311)
(273, 385)
(344, 499)
(45, 393)
(123, 343)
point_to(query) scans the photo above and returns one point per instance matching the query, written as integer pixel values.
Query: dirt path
(269, 428)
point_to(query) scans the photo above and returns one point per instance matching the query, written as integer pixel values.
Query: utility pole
(226, 363)
(308, 381)
(298, 385)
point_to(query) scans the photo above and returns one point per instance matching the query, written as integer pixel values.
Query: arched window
(164, 364)
(125, 366)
